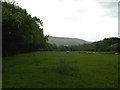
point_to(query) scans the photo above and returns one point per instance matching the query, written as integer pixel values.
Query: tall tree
(21, 32)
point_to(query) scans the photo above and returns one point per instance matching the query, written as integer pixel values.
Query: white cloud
(84, 19)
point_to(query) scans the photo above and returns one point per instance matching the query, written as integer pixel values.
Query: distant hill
(108, 44)
(66, 41)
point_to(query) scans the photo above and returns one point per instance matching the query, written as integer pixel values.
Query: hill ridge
(66, 41)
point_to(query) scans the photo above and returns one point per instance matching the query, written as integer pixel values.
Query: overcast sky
(91, 20)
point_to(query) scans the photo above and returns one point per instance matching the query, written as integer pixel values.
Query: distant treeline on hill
(23, 33)
(108, 44)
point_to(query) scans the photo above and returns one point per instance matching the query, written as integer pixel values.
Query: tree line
(20, 31)
(108, 44)
(23, 33)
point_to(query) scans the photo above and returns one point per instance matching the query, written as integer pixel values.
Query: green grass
(61, 70)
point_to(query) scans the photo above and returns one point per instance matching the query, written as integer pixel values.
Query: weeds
(66, 69)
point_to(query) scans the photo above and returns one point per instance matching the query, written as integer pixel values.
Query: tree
(21, 32)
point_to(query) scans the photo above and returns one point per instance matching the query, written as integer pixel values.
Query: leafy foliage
(21, 32)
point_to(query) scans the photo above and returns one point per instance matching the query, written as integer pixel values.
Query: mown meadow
(60, 69)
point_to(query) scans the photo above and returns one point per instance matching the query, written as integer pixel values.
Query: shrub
(66, 69)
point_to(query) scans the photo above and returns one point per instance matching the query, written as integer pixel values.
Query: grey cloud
(112, 8)
(109, 4)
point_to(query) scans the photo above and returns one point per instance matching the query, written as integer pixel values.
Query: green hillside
(107, 44)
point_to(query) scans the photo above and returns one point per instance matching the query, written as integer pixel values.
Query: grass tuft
(66, 68)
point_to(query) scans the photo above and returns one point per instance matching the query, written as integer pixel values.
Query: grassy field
(61, 70)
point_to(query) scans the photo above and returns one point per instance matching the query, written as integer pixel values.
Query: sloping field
(61, 70)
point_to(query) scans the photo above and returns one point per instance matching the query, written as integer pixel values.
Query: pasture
(52, 69)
